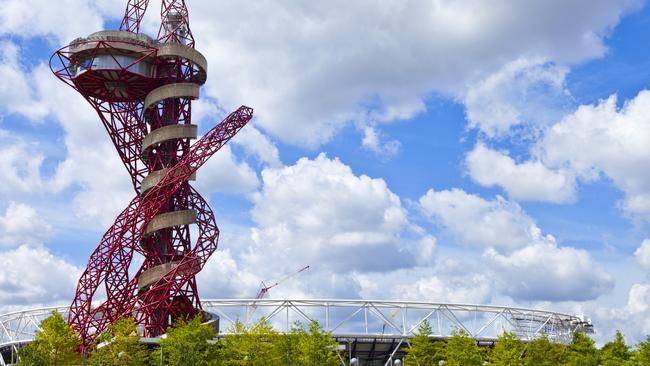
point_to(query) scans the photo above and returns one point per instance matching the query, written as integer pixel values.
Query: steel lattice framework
(142, 90)
(374, 331)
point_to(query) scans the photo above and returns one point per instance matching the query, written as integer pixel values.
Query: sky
(427, 150)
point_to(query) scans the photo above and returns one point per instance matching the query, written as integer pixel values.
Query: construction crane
(265, 288)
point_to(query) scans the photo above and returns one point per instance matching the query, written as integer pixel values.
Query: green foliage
(317, 347)
(616, 352)
(187, 344)
(508, 351)
(55, 344)
(461, 350)
(542, 352)
(119, 345)
(582, 351)
(289, 346)
(252, 346)
(642, 353)
(423, 351)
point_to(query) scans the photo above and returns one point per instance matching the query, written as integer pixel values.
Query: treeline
(186, 344)
(461, 350)
(193, 344)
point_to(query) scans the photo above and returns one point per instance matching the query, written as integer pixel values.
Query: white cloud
(528, 92)
(533, 267)
(633, 318)
(34, 275)
(222, 173)
(372, 140)
(318, 212)
(16, 90)
(21, 168)
(21, 224)
(602, 139)
(544, 271)
(259, 145)
(471, 289)
(526, 181)
(478, 222)
(308, 69)
(62, 20)
(642, 253)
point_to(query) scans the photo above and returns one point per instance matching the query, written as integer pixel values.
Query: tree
(289, 345)
(55, 344)
(186, 344)
(582, 351)
(542, 352)
(642, 353)
(461, 350)
(508, 351)
(317, 347)
(616, 352)
(119, 345)
(423, 352)
(251, 346)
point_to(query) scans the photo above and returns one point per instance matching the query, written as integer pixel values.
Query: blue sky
(423, 150)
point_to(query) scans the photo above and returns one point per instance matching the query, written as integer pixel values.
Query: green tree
(542, 352)
(119, 345)
(422, 351)
(642, 353)
(55, 344)
(508, 351)
(461, 350)
(289, 345)
(616, 352)
(582, 351)
(251, 346)
(317, 347)
(187, 344)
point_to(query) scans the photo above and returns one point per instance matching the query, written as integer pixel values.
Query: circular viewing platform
(120, 66)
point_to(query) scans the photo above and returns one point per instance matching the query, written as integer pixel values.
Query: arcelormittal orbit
(142, 89)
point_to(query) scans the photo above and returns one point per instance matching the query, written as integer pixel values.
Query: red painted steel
(115, 73)
(133, 15)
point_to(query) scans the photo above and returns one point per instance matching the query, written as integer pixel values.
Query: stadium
(373, 332)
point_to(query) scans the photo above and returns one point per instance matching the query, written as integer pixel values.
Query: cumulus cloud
(316, 212)
(527, 264)
(59, 21)
(527, 181)
(374, 141)
(329, 68)
(222, 173)
(604, 140)
(319, 211)
(642, 253)
(16, 90)
(528, 92)
(475, 221)
(469, 289)
(21, 168)
(21, 224)
(33, 275)
(633, 317)
(544, 271)
(259, 145)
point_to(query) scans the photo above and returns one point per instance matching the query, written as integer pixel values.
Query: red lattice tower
(142, 90)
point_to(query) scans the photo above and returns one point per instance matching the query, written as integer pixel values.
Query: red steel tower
(142, 89)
